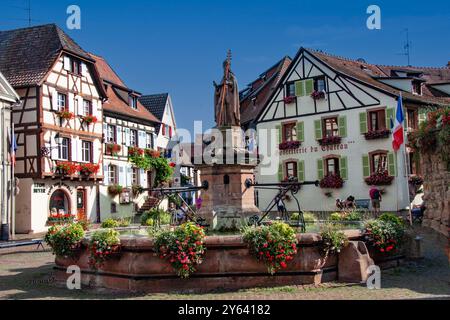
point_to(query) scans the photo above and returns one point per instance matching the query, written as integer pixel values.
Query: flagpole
(13, 193)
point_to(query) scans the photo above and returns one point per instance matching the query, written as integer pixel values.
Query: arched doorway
(59, 202)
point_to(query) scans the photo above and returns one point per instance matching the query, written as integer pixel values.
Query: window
(416, 87)
(111, 134)
(133, 102)
(377, 120)
(86, 151)
(290, 89)
(59, 203)
(378, 162)
(133, 137)
(135, 176)
(112, 174)
(148, 141)
(330, 127)
(87, 107)
(62, 101)
(412, 119)
(76, 66)
(289, 132)
(332, 166)
(63, 149)
(319, 84)
(291, 169)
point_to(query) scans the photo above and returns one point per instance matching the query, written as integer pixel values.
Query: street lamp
(45, 151)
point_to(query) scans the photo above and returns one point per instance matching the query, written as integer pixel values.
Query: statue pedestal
(227, 205)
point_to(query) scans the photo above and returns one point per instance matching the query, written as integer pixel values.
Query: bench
(362, 203)
(13, 244)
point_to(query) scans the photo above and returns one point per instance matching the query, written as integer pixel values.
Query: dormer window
(133, 102)
(290, 89)
(319, 84)
(417, 87)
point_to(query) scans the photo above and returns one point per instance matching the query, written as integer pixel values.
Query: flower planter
(65, 114)
(113, 149)
(330, 141)
(317, 95)
(66, 168)
(135, 151)
(289, 145)
(379, 179)
(88, 119)
(88, 169)
(379, 134)
(289, 99)
(332, 181)
(115, 190)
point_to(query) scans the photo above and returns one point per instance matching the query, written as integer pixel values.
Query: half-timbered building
(331, 119)
(127, 127)
(58, 125)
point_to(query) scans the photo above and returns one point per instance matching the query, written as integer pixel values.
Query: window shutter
(83, 69)
(309, 86)
(141, 177)
(163, 129)
(301, 170)
(389, 115)
(74, 150)
(127, 136)
(280, 172)
(54, 147)
(105, 175)
(320, 173)
(122, 181)
(170, 131)
(392, 164)
(300, 131)
(280, 134)
(343, 168)
(363, 122)
(299, 88)
(141, 139)
(119, 135)
(366, 166)
(105, 133)
(70, 102)
(66, 63)
(80, 106)
(129, 176)
(342, 121)
(318, 129)
(54, 100)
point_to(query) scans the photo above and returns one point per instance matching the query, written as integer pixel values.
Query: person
(198, 203)
(182, 213)
(375, 197)
(350, 202)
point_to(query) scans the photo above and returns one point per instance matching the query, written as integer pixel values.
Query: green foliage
(184, 247)
(155, 217)
(333, 239)
(85, 224)
(274, 244)
(385, 233)
(103, 244)
(116, 223)
(148, 162)
(64, 240)
(175, 199)
(136, 190)
(115, 189)
(307, 216)
(346, 216)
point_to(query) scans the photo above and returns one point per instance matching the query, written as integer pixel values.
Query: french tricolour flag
(397, 135)
(13, 149)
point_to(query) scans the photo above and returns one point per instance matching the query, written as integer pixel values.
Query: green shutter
(366, 165)
(342, 121)
(280, 172)
(343, 171)
(301, 170)
(280, 134)
(392, 164)
(320, 169)
(299, 88)
(318, 129)
(363, 122)
(389, 115)
(300, 131)
(309, 86)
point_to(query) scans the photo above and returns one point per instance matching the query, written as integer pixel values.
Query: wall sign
(39, 188)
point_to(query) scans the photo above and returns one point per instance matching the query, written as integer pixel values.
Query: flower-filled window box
(113, 149)
(88, 169)
(332, 181)
(66, 168)
(60, 219)
(88, 119)
(379, 179)
(289, 99)
(115, 189)
(135, 151)
(152, 153)
(65, 114)
(317, 95)
(289, 145)
(330, 140)
(377, 134)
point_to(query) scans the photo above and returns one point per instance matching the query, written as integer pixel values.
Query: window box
(135, 151)
(60, 219)
(330, 140)
(289, 145)
(89, 119)
(152, 153)
(377, 134)
(66, 168)
(114, 190)
(379, 179)
(65, 114)
(113, 149)
(88, 169)
(318, 95)
(332, 181)
(289, 99)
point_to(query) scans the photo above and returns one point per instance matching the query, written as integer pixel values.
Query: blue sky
(178, 46)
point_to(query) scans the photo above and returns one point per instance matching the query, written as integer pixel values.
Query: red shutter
(170, 132)
(163, 130)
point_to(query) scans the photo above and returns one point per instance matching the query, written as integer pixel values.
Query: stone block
(354, 260)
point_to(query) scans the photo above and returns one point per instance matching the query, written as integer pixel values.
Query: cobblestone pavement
(26, 273)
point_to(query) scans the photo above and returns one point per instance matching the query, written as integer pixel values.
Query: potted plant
(289, 145)
(65, 240)
(113, 149)
(60, 218)
(135, 151)
(379, 179)
(115, 189)
(317, 95)
(66, 168)
(377, 134)
(152, 153)
(89, 119)
(289, 99)
(65, 114)
(326, 141)
(88, 169)
(332, 181)
(136, 190)
(385, 233)
(103, 245)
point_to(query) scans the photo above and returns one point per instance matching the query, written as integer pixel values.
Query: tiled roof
(369, 73)
(27, 54)
(155, 103)
(261, 90)
(115, 103)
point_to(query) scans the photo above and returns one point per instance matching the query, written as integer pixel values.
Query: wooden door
(81, 204)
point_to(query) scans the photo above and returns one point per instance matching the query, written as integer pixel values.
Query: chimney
(448, 64)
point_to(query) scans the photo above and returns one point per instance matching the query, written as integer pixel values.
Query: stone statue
(226, 98)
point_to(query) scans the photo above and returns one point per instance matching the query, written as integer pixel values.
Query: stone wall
(436, 193)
